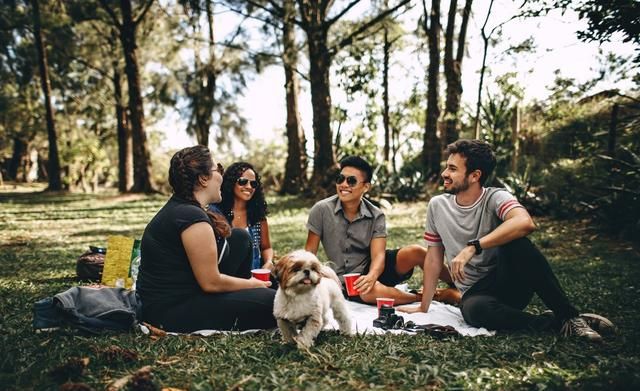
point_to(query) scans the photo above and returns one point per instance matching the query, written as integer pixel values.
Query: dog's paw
(303, 343)
(286, 341)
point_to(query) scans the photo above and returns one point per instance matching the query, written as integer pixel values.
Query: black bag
(89, 265)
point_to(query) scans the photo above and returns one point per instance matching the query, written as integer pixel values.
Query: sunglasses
(351, 180)
(244, 181)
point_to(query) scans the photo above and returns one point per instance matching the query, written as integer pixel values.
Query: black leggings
(496, 301)
(240, 310)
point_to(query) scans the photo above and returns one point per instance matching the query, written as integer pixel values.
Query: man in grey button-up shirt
(353, 233)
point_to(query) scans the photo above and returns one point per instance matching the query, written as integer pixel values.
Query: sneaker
(578, 327)
(599, 324)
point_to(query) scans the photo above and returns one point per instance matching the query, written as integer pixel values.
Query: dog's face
(298, 271)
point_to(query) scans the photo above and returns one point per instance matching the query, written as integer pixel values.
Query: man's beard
(457, 189)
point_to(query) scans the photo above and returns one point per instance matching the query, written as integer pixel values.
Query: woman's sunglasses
(351, 180)
(244, 181)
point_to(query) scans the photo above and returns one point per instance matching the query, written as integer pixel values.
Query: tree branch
(144, 11)
(628, 97)
(349, 39)
(276, 6)
(111, 13)
(341, 13)
(265, 21)
(274, 11)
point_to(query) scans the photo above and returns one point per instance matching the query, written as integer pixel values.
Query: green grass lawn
(41, 235)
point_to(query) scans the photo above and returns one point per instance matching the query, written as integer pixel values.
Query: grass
(41, 235)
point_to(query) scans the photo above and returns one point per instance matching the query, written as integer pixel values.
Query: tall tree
(281, 15)
(453, 69)
(127, 31)
(125, 144)
(386, 49)
(55, 182)
(316, 23)
(431, 153)
(200, 85)
(295, 168)
(485, 40)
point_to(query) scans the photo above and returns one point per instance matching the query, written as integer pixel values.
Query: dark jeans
(240, 310)
(496, 301)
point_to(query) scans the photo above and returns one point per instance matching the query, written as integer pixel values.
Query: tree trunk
(385, 94)
(125, 158)
(295, 167)
(55, 182)
(453, 70)
(515, 133)
(319, 62)
(485, 39)
(207, 85)
(611, 147)
(141, 159)
(17, 157)
(431, 146)
(450, 118)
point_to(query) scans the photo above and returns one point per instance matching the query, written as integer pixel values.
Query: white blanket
(363, 316)
(439, 313)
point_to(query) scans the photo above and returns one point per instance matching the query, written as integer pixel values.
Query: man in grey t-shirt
(353, 233)
(481, 232)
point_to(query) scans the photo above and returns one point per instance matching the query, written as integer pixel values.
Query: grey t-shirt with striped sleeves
(452, 226)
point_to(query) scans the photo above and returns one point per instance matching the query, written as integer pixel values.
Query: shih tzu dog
(307, 291)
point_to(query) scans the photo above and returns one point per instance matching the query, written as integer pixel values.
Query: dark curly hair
(256, 207)
(478, 155)
(187, 165)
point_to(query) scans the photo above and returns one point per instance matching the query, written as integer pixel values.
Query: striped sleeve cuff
(506, 207)
(432, 239)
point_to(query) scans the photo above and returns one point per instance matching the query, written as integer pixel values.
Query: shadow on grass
(30, 198)
(133, 233)
(56, 280)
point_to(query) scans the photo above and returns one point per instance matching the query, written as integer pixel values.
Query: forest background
(85, 82)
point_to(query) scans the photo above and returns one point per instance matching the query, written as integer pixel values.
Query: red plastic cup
(349, 280)
(261, 274)
(384, 301)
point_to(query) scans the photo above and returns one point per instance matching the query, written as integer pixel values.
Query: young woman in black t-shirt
(195, 271)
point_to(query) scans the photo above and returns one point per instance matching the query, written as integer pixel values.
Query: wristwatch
(475, 243)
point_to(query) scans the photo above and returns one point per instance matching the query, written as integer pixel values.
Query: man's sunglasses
(244, 181)
(351, 180)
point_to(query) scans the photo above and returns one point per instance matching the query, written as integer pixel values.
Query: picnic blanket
(363, 316)
(439, 313)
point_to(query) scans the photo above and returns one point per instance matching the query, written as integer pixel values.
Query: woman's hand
(410, 309)
(259, 283)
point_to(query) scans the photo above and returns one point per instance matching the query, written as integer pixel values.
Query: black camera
(387, 319)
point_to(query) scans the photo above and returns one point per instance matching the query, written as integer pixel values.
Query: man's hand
(365, 283)
(457, 264)
(410, 309)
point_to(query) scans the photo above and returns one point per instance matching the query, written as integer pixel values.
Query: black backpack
(89, 265)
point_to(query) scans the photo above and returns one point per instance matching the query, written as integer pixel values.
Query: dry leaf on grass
(72, 369)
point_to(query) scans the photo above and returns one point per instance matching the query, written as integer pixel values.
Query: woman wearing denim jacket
(244, 205)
